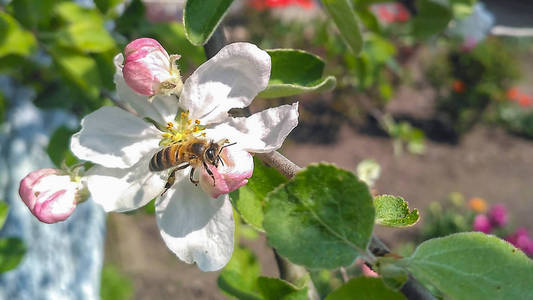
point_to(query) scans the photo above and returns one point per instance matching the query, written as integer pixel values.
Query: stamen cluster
(182, 131)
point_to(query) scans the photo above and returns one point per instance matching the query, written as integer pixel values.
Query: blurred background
(439, 104)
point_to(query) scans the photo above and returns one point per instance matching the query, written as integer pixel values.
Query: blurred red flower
(458, 86)
(391, 12)
(525, 100)
(264, 4)
(519, 97)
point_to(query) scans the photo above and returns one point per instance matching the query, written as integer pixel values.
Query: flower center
(183, 130)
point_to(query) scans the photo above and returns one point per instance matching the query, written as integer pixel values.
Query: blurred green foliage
(115, 285)
(12, 249)
(469, 82)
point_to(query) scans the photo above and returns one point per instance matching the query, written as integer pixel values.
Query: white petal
(124, 189)
(262, 132)
(161, 109)
(232, 78)
(197, 228)
(113, 138)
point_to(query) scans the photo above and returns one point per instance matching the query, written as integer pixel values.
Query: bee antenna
(228, 145)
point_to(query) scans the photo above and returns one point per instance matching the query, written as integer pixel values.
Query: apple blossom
(149, 70)
(50, 194)
(195, 221)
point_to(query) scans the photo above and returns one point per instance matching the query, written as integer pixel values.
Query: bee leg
(219, 160)
(172, 178)
(191, 177)
(210, 173)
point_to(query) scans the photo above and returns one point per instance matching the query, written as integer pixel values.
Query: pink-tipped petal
(50, 197)
(143, 43)
(139, 78)
(27, 183)
(238, 167)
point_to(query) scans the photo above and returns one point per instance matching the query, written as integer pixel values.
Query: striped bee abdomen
(165, 158)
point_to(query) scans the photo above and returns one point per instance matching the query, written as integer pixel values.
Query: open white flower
(197, 227)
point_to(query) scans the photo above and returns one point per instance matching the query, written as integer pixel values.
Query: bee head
(212, 153)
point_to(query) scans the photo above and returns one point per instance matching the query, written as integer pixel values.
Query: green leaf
(393, 275)
(249, 199)
(394, 212)
(432, 18)
(473, 266)
(59, 147)
(277, 289)
(79, 68)
(201, 18)
(4, 210)
(13, 38)
(132, 18)
(239, 277)
(12, 251)
(322, 218)
(368, 18)
(367, 288)
(85, 29)
(295, 72)
(105, 5)
(342, 13)
(172, 36)
(34, 13)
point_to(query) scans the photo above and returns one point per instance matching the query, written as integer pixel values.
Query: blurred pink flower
(498, 215)
(482, 224)
(521, 240)
(49, 195)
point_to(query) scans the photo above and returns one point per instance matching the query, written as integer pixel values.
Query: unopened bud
(149, 70)
(50, 194)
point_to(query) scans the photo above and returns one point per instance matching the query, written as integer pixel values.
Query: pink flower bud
(50, 196)
(482, 224)
(149, 70)
(498, 215)
(238, 167)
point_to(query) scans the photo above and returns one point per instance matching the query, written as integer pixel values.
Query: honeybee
(196, 152)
